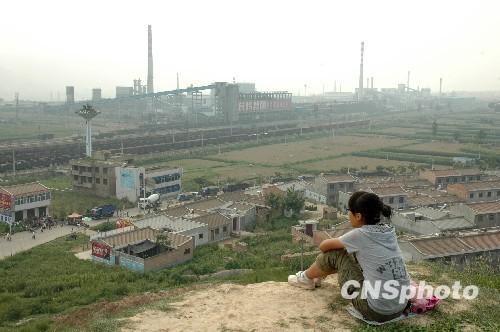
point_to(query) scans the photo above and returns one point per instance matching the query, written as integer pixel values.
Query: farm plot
(296, 152)
(336, 164)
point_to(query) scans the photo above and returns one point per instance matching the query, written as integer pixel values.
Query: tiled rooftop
(24, 189)
(479, 185)
(213, 220)
(454, 172)
(485, 207)
(444, 246)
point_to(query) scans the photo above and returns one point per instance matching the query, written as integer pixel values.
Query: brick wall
(179, 255)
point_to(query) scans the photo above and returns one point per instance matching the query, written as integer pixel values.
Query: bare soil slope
(267, 306)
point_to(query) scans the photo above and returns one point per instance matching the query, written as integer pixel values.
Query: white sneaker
(298, 280)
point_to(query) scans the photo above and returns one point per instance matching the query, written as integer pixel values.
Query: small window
(391, 200)
(96, 169)
(478, 177)
(105, 170)
(480, 195)
(89, 179)
(463, 178)
(401, 199)
(217, 231)
(489, 194)
(224, 229)
(471, 195)
(439, 180)
(200, 236)
(75, 167)
(105, 181)
(498, 193)
(471, 178)
(97, 180)
(187, 251)
(479, 218)
(491, 217)
(75, 177)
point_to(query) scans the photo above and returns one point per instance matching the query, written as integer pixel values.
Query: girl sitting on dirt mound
(368, 256)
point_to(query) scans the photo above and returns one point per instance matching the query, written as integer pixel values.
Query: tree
(293, 201)
(274, 201)
(163, 241)
(434, 128)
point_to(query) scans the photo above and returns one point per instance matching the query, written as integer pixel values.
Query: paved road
(23, 240)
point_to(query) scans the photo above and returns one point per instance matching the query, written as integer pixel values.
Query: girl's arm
(330, 244)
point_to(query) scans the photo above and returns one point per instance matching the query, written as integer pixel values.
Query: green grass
(65, 203)
(49, 279)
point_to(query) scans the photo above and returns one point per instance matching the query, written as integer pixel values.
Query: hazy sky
(279, 45)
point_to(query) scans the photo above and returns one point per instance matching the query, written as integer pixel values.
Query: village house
(442, 178)
(484, 191)
(138, 250)
(190, 228)
(485, 214)
(458, 248)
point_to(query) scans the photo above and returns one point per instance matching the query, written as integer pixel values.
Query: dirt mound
(267, 306)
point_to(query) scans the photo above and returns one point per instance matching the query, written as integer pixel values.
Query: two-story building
(335, 184)
(442, 178)
(483, 191)
(116, 177)
(24, 202)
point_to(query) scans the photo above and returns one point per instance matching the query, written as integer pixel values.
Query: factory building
(124, 91)
(70, 95)
(24, 202)
(108, 177)
(96, 94)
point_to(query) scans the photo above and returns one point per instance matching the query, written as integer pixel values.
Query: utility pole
(17, 104)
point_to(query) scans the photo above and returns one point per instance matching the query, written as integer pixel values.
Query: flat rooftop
(25, 189)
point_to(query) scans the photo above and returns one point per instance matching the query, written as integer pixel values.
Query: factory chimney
(440, 86)
(408, 82)
(371, 86)
(360, 89)
(150, 60)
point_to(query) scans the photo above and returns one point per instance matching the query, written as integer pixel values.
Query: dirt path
(267, 306)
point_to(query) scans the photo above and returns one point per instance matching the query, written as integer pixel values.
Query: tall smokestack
(371, 86)
(408, 82)
(150, 60)
(335, 87)
(360, 89)
(177, 81)
(440, 87)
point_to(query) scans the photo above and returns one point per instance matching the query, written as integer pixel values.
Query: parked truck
(150, 202)
(103, 211)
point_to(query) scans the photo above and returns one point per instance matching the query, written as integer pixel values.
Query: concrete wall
(487, 220)
(333, 190)
(128, 182)
(420, 227)
(394, 201)
(179, 255)
(216, 234)
(131, 262)
(195, 234)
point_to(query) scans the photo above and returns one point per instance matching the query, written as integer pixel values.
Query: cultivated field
(337, 164)
(286, 154)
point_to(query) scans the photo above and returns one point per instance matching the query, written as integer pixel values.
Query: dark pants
(347, 268)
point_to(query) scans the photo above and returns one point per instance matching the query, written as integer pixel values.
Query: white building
(24, 201)
(130, 181)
